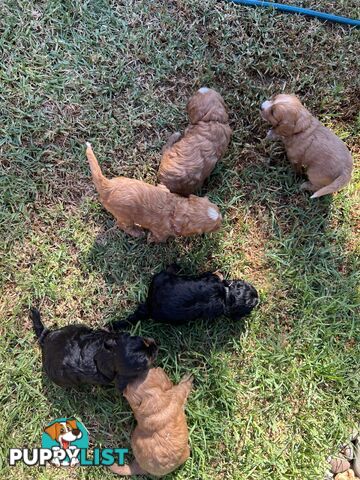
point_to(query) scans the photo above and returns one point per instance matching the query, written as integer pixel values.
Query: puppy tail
(336, 185)
(40, 330)
(98, 178)
(132, 469)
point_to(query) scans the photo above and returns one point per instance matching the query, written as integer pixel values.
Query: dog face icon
(64, 432)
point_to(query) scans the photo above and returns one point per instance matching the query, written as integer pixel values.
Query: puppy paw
(219, 274)
(155, 239)
(133, 469)
(188, 378)
(120, 469)
(151, 238)
(174, 137)
(271, 135)
(307, 186)
(133, 231)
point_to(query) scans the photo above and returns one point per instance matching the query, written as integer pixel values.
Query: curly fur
(187, 161)
(160, 439)
(310, 145)
(177, 299)
(76, 354)
(137, 205)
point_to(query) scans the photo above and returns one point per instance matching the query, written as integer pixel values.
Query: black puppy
(178, 299)
(76, 354)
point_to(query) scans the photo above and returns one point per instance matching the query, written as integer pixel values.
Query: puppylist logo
(64, 443)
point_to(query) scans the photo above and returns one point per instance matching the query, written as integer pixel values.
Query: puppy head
(207, 105)
(196, 215)
(286, 114)
(64, 431)
(150, 386)
(241, 298)
(131, 355)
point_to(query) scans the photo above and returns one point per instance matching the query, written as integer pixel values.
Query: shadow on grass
(130, 264)
(304, 250)
(107, 414)
(308, 240)
(312, 282)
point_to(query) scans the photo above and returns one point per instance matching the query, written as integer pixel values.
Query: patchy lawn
(273, 395)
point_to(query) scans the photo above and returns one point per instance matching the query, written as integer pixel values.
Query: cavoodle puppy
(309, 145)
(177, 299)
(137, 205)
(76, 354)
(187, 161)
(160, 439)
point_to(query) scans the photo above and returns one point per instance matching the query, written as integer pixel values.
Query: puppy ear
(72, 423)
(106, 360)
(148, 342)
(151, 348)
(132, 397)
(282, 116)
(290, 120)
(303, 122)
(52, 431)
(285, 129)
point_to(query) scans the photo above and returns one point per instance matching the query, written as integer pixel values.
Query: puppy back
(186, 165)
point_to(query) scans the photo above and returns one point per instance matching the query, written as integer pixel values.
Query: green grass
(273, 395)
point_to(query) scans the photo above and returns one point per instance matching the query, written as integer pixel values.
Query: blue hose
(302, 11)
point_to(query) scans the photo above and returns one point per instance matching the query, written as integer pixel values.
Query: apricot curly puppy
(188, 161)
(137, 205)
(160, 439)
(326, 158)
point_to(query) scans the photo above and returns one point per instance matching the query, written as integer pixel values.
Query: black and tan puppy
(76, 354)
(177, 299)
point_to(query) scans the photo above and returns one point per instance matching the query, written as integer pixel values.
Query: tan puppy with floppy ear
(188, 161)
(137, 205)
(160, 439)
(326, 158)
